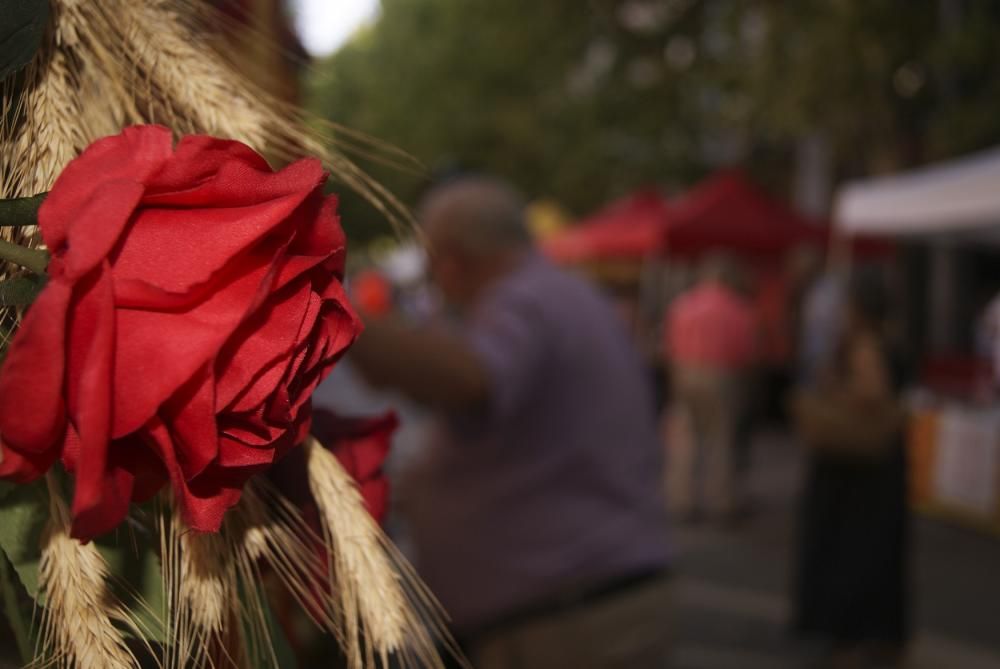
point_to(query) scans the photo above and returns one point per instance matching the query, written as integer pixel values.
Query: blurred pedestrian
(852, 577)
(988, 341)
(710, 343)
(822, 315)
(537, 510)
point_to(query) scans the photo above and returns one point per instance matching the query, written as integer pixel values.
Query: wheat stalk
(383, 607)
(201, 596)
(205, 588)
(199, 92)
(76, 630)
(273, 531)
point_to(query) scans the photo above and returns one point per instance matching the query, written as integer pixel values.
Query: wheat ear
(76, 629)
(384, 608)
(201, 596)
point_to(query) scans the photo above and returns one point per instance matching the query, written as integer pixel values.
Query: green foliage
(129, 551)
(21, 290)
(21, 32)
(575, 100)
(488, 84)
(891, 84)
(134, 563)
(24, 511)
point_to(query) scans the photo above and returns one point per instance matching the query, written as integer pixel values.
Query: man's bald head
(478, 216)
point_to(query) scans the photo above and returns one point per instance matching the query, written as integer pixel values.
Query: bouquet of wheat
(168, 302)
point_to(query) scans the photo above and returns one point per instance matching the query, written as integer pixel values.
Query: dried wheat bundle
(147, 61)
(106, 64)
(351, 584)
(103, 65)
(383, 608)
(200, 592)
(77, 628)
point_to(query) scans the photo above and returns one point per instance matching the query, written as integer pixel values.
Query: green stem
(21, 211)
(12, 609)
(32, 259)
(20, 291)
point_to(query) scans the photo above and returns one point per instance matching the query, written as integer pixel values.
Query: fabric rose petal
(361, 446)
(194, 302)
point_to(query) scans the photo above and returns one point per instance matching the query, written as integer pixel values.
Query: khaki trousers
(628, 630)
(700, 434)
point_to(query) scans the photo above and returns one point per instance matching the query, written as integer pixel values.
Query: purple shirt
(559, 485)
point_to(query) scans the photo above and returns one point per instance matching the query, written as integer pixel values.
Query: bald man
(536, 511)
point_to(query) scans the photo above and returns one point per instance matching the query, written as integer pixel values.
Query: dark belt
(574, 598)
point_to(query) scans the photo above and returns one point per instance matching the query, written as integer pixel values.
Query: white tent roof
(959, 197)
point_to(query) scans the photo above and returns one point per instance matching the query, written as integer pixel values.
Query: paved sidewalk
(732, 594)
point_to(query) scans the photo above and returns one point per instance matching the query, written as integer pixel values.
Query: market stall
(631, 228)
(959, 199)
(954, 437)
(727, 211)
(651, 244)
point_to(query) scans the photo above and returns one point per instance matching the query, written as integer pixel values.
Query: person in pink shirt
(710, 335)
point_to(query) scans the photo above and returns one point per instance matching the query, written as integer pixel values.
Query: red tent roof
(631, 227)
(728, 211)
(725, 211)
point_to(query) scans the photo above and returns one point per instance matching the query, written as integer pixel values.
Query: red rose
(361, 446)
(194, 302)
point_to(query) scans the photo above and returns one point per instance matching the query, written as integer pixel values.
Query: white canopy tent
(958, 199)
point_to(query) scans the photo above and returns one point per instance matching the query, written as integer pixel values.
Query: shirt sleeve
(509, 337)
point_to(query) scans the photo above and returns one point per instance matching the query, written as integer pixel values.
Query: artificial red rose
(194, 302)
(361, 446)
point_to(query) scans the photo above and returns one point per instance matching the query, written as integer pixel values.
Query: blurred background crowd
(696, 337)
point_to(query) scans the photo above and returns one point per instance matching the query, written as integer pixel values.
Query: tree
(584, 101)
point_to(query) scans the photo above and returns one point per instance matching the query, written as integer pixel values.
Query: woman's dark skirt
(853, 577)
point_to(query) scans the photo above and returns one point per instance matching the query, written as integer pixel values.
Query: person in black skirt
(851, 589)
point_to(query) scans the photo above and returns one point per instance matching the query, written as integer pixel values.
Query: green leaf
(136, 576)
(24, 510)
(282, 649)
(21, 29)
(261, 658)
(133, 563)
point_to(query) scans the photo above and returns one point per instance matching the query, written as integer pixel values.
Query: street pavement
(732, 588)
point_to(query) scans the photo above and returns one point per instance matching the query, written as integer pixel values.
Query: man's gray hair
(478, 214)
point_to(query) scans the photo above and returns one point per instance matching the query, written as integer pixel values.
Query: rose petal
(108, 510)
(376, 495)
(264, 339)
(197, 159)
(196, 243)
(235, 453)
(252, 429)
(191, 415)
(133, 155)
(32, 411)
(97, 224)
(90, 355)
(70, 448)
(133, 454)
(319, 231)
(361, 444)
(162, 350)
(203, 501)
(24, 467)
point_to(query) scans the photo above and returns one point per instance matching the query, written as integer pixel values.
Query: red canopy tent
(726, 211)
(629, 228)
